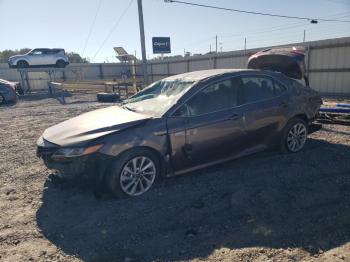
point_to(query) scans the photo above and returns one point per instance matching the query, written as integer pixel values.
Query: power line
(260, 31)
(113, 28)
(92, 26)
(312, 20)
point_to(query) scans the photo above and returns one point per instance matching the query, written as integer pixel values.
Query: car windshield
(157, 98)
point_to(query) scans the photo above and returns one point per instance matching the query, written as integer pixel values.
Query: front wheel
(60, 64)
(134, 173)
(294, 136)
(22, 64)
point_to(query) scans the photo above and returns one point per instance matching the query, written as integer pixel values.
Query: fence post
(64, 75)
(151, 71)
(101, 71)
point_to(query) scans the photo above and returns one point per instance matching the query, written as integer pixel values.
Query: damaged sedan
(183, 123)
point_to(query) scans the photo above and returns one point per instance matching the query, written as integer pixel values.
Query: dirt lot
(266, 207)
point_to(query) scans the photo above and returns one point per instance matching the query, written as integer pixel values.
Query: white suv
(40, 57)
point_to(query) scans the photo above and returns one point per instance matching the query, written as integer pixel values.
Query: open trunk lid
(289, 61)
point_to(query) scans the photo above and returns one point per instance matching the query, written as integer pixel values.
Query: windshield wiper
(128, 108)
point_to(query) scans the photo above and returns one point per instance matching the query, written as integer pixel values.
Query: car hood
(16, 56)
(83, 128)
(289, 61)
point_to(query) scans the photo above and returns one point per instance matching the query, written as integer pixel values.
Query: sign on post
(161, 45)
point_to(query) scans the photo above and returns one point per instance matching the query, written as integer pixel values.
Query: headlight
(40, 142)
(75, 151)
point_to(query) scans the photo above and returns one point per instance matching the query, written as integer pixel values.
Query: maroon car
(183, 123)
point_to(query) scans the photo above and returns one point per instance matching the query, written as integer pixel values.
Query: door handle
(235, 117)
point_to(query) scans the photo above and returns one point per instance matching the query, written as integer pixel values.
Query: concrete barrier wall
(328, 63)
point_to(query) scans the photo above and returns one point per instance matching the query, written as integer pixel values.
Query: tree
(76, 58)
(4, 55)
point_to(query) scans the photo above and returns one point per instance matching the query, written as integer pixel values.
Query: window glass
(157, 98)
(46, 51)
(216, 97)
(37, 52)
(279, 89)
(257, 88)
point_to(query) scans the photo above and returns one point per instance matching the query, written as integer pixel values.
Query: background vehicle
(180, 124)
(8, 91)
(40, 57)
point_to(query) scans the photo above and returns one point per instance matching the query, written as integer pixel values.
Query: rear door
(208, 127)
(265, 109)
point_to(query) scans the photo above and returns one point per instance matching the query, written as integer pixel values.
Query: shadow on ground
(270, 200)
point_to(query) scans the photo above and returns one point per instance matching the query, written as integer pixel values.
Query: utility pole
(304, 36)
(143, 47)
(245, 46)
(210, 48)
(216, 44)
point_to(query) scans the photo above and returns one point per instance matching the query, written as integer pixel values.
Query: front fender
(151, 134)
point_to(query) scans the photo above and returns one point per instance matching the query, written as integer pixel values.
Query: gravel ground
(266, 207)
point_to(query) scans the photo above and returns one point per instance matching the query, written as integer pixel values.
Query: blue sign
(161, 45)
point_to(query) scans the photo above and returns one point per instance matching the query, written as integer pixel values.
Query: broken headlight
(69, 152)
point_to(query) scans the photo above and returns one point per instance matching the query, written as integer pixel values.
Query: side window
(216, 97)
(46, 51)
(257, 88)
(37, 52)
(279, 89)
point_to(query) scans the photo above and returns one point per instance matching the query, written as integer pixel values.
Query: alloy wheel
(137, 175)
(296, 137)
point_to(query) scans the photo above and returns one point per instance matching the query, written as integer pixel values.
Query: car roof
(46, 48)
(205, 74)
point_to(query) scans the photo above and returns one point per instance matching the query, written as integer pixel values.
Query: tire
(2, 99)
(294, 136)
(108, 97)
(61, 64)
(121, 182)
(22, 64)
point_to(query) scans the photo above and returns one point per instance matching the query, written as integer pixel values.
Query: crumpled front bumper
(11, 64)
(90, 167)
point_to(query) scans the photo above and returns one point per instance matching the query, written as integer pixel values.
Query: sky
(93, 27)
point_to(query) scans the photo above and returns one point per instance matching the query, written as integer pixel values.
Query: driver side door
(207, 128)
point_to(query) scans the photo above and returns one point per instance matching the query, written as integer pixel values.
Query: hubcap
(138, 175)
(296, 137)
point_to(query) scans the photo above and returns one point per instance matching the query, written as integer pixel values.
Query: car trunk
(289, 61)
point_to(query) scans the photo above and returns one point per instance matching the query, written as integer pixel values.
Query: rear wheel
(134, 173)
(60, 64)
(294, 136)
(22, 64)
